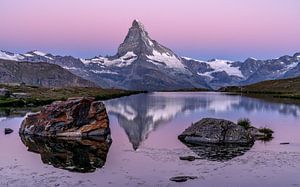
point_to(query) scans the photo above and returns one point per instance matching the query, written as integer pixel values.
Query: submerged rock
(8, 131)
(216, 131)
(182, 178)
(76, 117)
(73, 154)
(284, 143)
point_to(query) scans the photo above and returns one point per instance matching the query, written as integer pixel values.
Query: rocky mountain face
(141, 63)
(39, 74)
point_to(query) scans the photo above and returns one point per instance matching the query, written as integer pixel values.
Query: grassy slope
(41, 96)
(284, 88)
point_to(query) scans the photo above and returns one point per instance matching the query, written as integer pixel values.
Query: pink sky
(203, 29)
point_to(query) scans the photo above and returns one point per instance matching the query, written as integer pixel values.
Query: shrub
(267, 134)
(246, 123)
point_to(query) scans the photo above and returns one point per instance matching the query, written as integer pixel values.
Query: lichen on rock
(76, 117)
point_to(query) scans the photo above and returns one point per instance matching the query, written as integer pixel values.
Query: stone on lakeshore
(182, 178)
(188, 158)
(76, 117)
(8, 131)
(216, 131)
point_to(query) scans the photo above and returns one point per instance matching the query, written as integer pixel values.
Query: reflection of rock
(219, 152)
(74, 117)
(76, 155)
(216, 131)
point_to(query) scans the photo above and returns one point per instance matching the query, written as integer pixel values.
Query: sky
(201, 29)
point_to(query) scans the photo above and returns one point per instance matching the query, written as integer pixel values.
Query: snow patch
(10, 56)
(104, 72)
(225, 65)
(292, 65)
(28, 55)
(125, 110)
(187, 58)
(39, 53)
(70, 68)
(169, 59)
(206, 74)
(124, 60)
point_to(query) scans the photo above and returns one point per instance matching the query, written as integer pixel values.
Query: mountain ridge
(41, 74)
(142, 63)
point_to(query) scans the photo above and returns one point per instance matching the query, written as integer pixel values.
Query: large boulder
(76, 117)
(216, 131)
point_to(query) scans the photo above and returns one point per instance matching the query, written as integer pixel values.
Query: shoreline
(40, 96)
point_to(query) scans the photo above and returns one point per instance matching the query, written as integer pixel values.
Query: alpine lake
(145, 150)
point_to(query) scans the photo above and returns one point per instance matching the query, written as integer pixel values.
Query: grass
(245, 122)
(41, 96)
(283, 88)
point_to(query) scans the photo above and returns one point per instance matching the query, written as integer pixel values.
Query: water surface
(145, 149)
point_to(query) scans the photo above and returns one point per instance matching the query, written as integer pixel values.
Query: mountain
(142, 63)
(39, 74)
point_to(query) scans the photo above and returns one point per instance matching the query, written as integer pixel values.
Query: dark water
(145, 150)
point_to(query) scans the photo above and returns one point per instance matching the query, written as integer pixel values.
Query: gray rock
(216, 131)
(182, 178)
(284, 143)
(8, 131)
(188, 158)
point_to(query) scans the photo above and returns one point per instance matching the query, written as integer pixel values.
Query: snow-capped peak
(124, 60)
(169, 59)
(39, 53)
(10, 56)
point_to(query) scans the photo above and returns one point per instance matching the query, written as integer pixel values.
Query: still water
(145, 150)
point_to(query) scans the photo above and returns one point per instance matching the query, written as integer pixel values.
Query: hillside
(285, 88)
(37, 96)
(39, 74)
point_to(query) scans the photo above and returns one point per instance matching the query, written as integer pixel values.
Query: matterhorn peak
(138, 41)
(137, 24)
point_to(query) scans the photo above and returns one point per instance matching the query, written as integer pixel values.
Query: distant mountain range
(39, 74)
(141, 63)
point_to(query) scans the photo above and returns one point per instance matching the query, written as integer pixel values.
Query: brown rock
(74, 117)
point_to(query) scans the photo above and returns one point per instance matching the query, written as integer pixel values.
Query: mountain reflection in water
(76, 155)
(141, 114)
